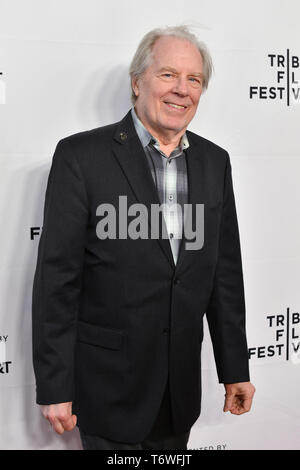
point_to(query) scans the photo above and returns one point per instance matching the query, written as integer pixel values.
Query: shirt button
(171, 197)
(171, 235)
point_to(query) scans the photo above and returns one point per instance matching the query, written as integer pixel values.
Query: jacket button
(166, 330)
(176, 281)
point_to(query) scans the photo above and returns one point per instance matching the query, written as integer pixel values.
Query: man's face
(170, 88)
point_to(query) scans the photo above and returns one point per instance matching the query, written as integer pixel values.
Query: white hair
(142, 56)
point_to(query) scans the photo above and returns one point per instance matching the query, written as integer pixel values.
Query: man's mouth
(176, 106)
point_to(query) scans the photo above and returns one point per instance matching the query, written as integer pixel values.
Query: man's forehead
(171, 42)
(166, 50)
(165, 63)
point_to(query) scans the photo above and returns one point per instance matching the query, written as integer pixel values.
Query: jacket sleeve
(57, 279)
(226, 309)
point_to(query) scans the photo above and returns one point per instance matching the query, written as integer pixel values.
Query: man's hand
(238, 397)
(60, 416)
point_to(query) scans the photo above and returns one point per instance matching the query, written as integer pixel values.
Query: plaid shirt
(170, 178)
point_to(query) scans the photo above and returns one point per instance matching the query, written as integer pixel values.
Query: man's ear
(135, 86)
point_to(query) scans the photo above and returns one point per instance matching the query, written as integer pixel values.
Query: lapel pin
(123, 135)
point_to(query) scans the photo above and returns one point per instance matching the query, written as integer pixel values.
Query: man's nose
(181, 86)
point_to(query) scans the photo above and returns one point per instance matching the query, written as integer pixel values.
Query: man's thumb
(74, 419)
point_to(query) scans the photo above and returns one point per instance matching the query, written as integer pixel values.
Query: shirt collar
(145, 136)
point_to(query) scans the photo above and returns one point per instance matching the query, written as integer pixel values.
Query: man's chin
(171, 125)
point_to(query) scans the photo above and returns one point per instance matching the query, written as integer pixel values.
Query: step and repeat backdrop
(64, 69)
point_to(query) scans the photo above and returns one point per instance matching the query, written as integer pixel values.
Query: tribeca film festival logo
(4, 364)
(138, 227)
(286, 85)
(286, 345)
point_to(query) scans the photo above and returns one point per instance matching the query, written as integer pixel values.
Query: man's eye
(167, 75)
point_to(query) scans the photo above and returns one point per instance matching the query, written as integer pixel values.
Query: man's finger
(57, 426)
(68, 422)
(228, 402)
(247, 404)
(240, 407)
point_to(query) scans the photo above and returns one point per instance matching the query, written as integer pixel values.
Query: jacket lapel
(131, 157)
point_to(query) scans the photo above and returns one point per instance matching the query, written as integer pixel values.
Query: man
(117, 320)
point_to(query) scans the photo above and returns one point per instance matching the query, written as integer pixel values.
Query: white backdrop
(63, 69)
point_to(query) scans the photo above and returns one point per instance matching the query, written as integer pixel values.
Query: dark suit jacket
(112, 317)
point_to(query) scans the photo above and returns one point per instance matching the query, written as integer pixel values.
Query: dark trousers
(161, 435)
(169, 443)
